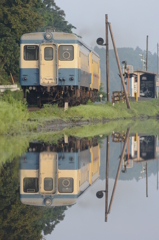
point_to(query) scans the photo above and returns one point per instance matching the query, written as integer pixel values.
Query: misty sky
(131, 21)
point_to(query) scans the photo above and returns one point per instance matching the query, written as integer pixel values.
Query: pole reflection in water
(57, 174)
(107, 175)
(118, 171)
(137, 149)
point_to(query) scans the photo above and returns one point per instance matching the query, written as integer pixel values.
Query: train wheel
(39, 102)
(60, 102)
(28, 98)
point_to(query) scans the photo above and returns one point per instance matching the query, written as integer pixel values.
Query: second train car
(58, 67)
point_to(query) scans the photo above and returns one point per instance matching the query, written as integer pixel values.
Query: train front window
(65, 185)
(48, 184)
(48, 53)
(30, 185)
(31, 52)
(66, 53)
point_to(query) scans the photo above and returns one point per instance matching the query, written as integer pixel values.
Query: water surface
(50, 191)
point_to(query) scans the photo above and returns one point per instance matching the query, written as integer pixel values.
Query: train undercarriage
(59, 95)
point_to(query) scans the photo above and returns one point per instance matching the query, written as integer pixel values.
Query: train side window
(30, 185)
(66, 53)
(65, 185)
(48, 184)
(48, 53)
(31, 52)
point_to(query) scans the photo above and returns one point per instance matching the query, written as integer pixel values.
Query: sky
(131, 21)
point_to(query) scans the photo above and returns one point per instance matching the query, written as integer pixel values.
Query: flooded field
(81, 187)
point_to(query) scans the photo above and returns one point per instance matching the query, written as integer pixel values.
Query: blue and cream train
(56, 175)
(58, 67)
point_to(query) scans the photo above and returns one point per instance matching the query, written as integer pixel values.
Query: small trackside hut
(144, 84)
(58, 67)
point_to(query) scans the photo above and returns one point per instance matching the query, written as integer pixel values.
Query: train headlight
(47, 202)
(66, 185)
(66, 55)
(48, 35)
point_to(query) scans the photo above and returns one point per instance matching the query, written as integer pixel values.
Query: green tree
(16, 18)
(54, 18)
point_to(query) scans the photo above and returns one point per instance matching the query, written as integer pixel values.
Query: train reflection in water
(57, 174)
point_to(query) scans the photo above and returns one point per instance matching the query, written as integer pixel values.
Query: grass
(98, 111)
(8, 96)
(15, 118)
(13, 114)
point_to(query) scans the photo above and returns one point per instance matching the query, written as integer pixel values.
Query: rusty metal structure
(118, 96)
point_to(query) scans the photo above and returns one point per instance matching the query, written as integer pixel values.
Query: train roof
(57, 37)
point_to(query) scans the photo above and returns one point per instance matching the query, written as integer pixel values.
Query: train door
(84, 169)
(48, 64)
(95, 162)
(48, 172)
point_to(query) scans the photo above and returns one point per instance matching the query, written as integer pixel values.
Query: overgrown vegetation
(15, 118)
(13, 113)
(98, 111)
(7, 96)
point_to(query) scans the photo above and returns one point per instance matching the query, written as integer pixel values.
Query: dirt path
(58, 124)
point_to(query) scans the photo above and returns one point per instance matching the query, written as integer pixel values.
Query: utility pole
(157, 59)
(107, 56)
(119, 67)
(147, 54)
(128, 83)
(157, 68)
(106, 187)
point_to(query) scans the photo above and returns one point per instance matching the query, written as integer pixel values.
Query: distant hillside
(125, 54)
